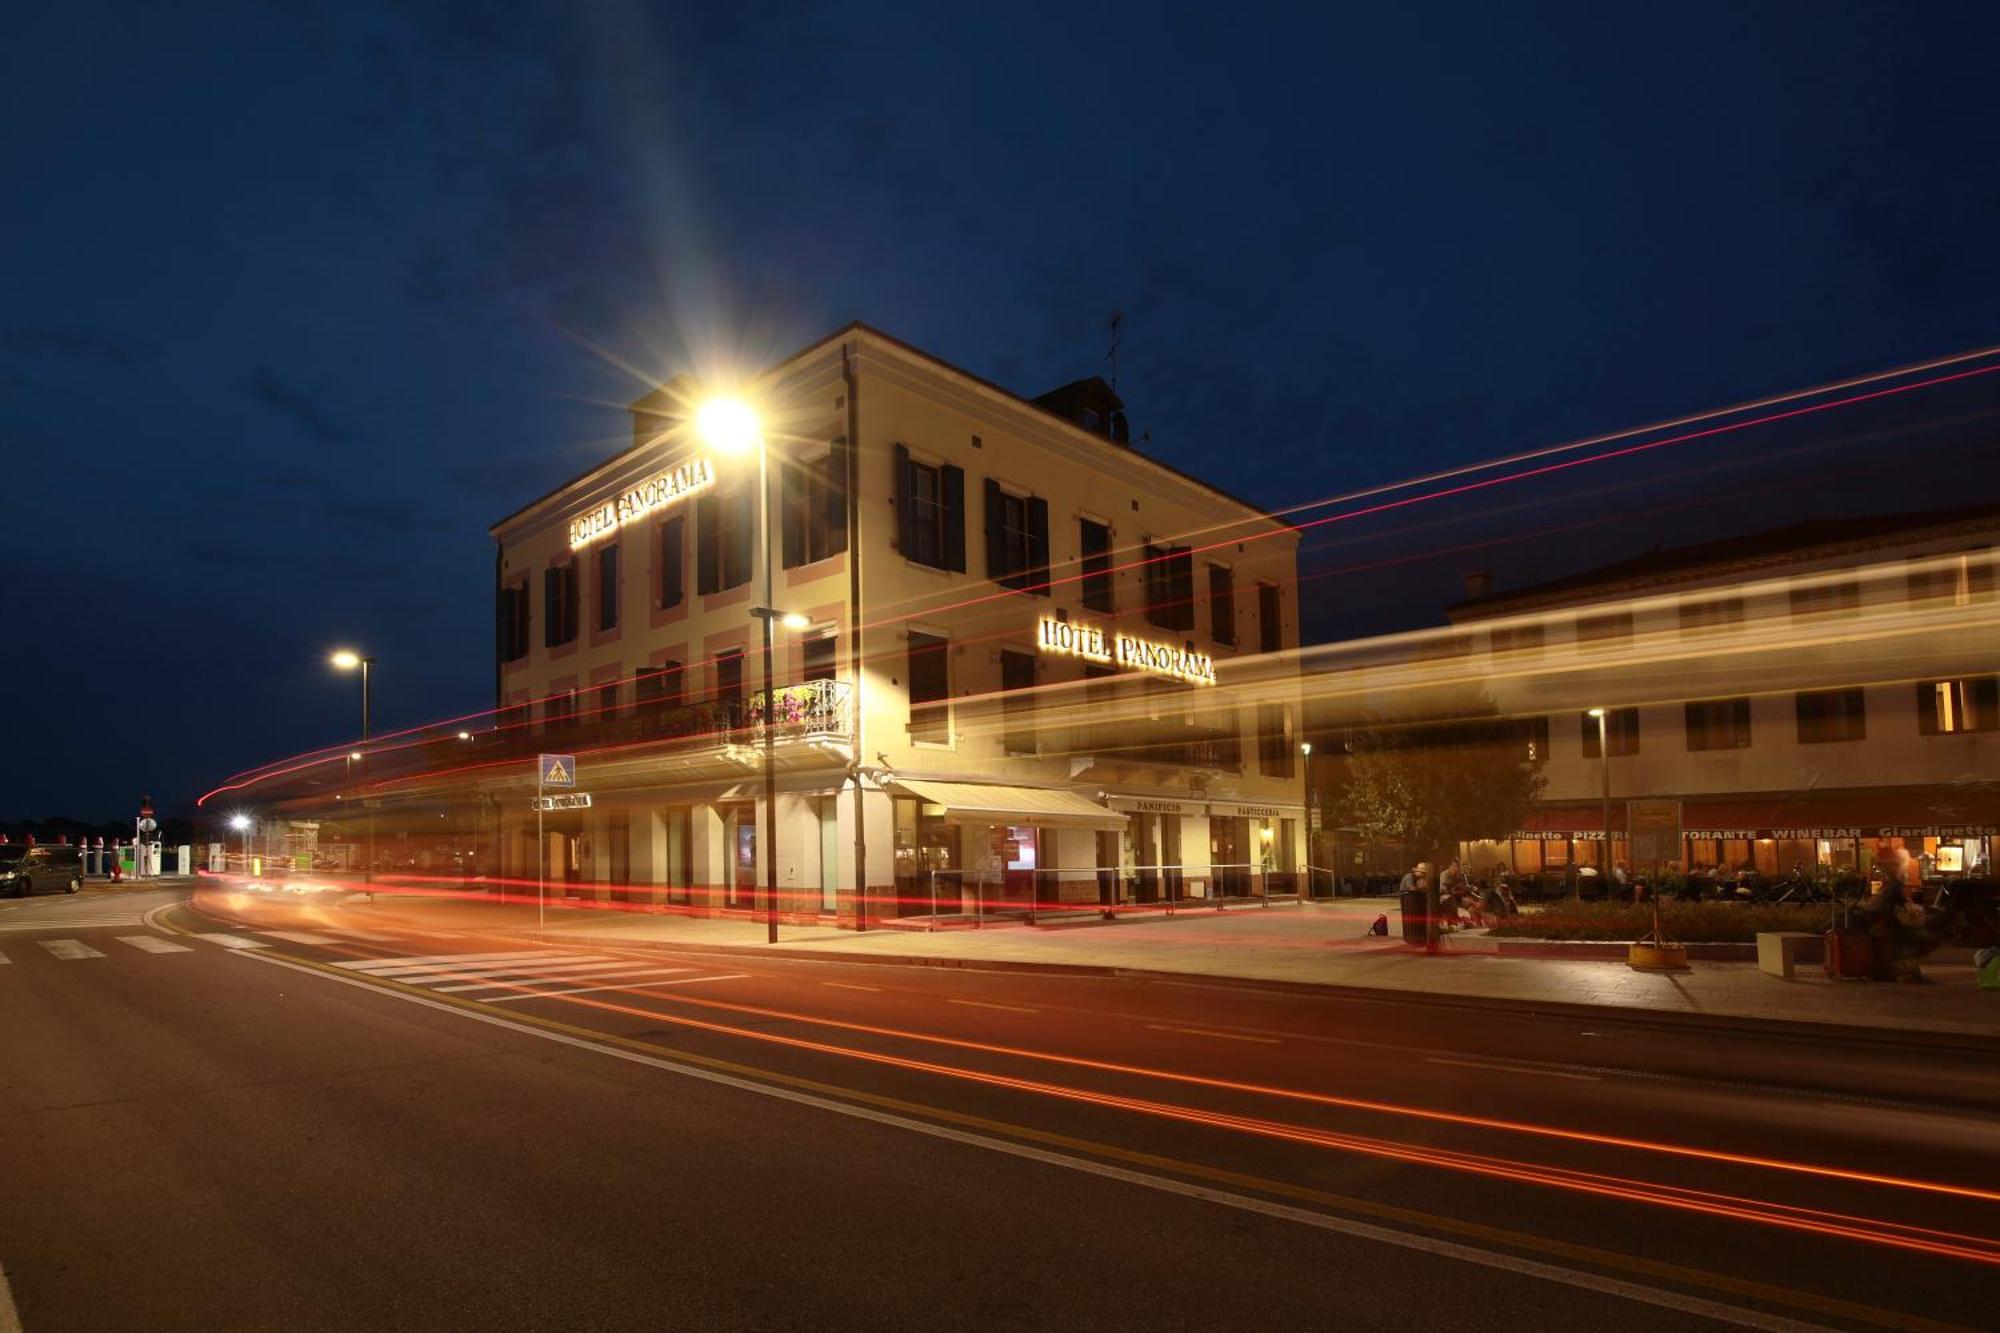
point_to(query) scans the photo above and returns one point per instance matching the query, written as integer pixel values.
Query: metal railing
(1131, 889)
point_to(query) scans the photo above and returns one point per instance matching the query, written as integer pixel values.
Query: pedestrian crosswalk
(498, 977)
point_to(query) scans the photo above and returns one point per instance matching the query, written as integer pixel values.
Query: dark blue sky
(298, 298)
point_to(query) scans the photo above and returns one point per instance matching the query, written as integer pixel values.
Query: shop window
(927, 864)
(673, 561)
(1718, 724)
(1222, 604)
(1170, 586)
(1600, 633)
(930, 688)
(819, 651)
(723, 530)
(660, 688)
(1955, 580)
(1946, 707)
(1621, 730)
(1711, 615)
(930, 512)
(1274, 741)
(814, 504)
(607, 588)
(559, 605)
(1270, 619)
(1094, 540)
(511, 621)
(1826, 599)
(1017, 683)
(1522, 640)
(1831, 715)
(1017, 540)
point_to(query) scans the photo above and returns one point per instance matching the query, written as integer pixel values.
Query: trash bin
(1411, 902)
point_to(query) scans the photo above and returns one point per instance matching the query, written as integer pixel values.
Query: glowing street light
(241, 823)
(1604, 764)
(728, 425)
(346, 659)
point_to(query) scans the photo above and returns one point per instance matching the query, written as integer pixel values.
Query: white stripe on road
(70, 949)
(597, 973)
(371, 964)
(153, 944)
(298, 936)
(1579, 1279)
(1225, 1036)
(988, 1004)
(627, 985)
(1512, 1069)
(424, 972)
(351, 933)
(5, 959)
(10, 1318)
(230, 941)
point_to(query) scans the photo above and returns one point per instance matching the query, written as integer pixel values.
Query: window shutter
(1740, 708)
(906, 509)
(954, 517)
(996, 545)
(792, 492)
(551, 607)
(833, 495)
(673, 561)
(1038, 545)
(503, 625)
(1985, 703)
(572, 602)
(707, 544)
(741, 530)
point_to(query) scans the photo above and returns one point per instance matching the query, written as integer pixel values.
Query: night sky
(299, 298)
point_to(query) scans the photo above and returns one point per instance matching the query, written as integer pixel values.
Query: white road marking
(849, 985)
(153, 944)
(624, 985)
(594, 972)
(1579, 1279)
(5, 959)
(428, 972)
(70, 949)
(10, 1318)
(351, 933)
(1513, 1069)
(298, 936)
(1204, 1032)
(371, 964)
(987, 1004)
(230, 941)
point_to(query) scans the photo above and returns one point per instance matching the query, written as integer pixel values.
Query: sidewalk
(1315, 944)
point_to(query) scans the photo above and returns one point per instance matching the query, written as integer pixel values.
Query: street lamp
(1604, 764)
(241, 823)
(1306, 776)
(346, 659)
(730, 426)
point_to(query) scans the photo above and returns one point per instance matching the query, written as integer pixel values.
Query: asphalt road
(261, 1116)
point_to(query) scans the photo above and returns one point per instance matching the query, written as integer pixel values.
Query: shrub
(1689, 923)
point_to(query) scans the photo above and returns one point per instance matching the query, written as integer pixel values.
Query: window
(1017, 680)
(729, 682)
(1094, 540)
(819, 658)
(723, 529)
(1099, 690)
(1826, 599)
(1612, 629)
(1718, 724)
(1274, 741)
(660, 688)
(1945, 707)
(606, 704)
(1715, 614)
(1270, 619)
(511, 621)
(1222, 604)
(1621, 729)
(1523, 639)
(1831, 715)
(559, 605)
(607, 588)
(930, 689)
(930, 512)
(559, 709)
(1170, 587)
(1957, 580)
(1017, 539)
(673, 561)
(815, 508)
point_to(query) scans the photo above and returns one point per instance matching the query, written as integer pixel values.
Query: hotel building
(1021, 663)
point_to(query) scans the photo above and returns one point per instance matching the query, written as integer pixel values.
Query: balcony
(814, 708)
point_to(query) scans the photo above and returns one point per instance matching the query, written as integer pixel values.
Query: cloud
(80, 343)
(314, 420)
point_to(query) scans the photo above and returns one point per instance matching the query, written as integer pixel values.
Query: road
(233, 1114)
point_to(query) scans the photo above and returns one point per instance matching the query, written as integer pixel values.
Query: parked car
(25, 870)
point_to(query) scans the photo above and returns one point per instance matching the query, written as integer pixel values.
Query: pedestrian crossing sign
(556, 770)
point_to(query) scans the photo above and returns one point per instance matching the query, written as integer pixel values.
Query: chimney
(1478, 583)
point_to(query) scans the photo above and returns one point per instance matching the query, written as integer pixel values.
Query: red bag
(1850, 955)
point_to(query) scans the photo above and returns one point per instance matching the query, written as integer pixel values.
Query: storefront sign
(674, 484)
(1720, 834)
(1845, 834)
(1144, 805)
(569, 800)
(1096, 644)
(1250, 811)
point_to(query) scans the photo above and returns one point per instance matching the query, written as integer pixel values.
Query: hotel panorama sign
(1122, 650)
(656, 492)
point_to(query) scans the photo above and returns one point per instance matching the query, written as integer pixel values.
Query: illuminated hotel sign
(676, 483)
(1124, 651)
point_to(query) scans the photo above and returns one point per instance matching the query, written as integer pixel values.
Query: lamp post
(730, 426)
(1306, 779)
(346, 659)
(1604, 764)
(241, 823)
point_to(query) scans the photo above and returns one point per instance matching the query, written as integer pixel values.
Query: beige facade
(1027, 665)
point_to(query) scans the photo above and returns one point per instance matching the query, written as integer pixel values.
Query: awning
(979, 803)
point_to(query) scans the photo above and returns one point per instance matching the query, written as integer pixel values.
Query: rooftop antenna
(1117, 318)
